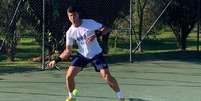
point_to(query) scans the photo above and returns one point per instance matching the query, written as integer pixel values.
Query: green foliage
(113, 13)
(182, 16)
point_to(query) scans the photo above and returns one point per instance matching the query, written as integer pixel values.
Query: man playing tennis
(84, 32)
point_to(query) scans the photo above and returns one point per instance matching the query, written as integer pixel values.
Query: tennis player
(83, 32)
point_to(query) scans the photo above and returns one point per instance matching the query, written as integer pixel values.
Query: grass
(161, 42)
(158, 47)
(27, 49)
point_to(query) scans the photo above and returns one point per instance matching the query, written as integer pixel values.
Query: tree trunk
(141, 7)
(180, 39)
(140, 49)
(183, 43)
(11, 44)
(105, 39)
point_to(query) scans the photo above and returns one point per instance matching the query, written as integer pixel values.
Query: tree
(8, 26)
(141, 5)
(145, 13)
(31, 14)
(182, 16)
(56, 22)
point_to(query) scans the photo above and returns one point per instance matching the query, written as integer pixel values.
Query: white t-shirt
(78, 34)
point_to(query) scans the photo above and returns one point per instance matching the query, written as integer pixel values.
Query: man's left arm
(99, 32)
(102, 31)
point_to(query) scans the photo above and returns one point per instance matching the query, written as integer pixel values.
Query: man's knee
(106, 76)
(71, 73)
(69, 77)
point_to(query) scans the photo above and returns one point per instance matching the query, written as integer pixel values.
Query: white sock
(70, 95)
(120, 95)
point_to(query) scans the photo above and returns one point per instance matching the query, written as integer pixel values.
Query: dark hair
(72, 9)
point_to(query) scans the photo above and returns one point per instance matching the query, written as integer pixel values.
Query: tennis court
(162, 37)
(155, 80)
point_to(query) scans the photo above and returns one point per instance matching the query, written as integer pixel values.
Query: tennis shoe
(70, 99)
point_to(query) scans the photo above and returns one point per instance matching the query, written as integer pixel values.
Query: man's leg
(105, 74)
(70, 75)
(112, 82)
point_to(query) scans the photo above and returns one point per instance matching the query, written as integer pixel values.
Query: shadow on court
(14, 69)
(187, 83)
(188, 56)
(60, 95)
(109, 98)
(136, 99)
(30, 93)
(6, 69)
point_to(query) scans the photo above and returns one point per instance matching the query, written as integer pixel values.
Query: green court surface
(157, 80)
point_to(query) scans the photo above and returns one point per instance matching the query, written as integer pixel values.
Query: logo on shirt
(81, 39)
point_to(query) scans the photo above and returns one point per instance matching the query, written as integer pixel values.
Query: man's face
(73, 17)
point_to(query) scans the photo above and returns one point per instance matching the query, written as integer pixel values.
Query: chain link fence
(33, 30)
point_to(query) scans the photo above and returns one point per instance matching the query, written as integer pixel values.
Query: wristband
(57, 59)
(98, 33)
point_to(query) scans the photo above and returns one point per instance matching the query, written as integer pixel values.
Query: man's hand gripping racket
(51, 65)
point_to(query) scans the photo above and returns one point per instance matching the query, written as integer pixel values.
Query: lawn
(162, 46)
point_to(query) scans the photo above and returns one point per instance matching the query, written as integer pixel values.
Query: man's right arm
(65, 54)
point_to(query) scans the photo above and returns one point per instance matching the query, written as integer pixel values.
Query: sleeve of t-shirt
(96, 24)
(69, 39)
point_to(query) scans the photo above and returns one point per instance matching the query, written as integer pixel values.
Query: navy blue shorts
(97, 61)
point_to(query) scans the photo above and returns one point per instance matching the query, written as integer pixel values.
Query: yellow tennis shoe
(70, 99)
